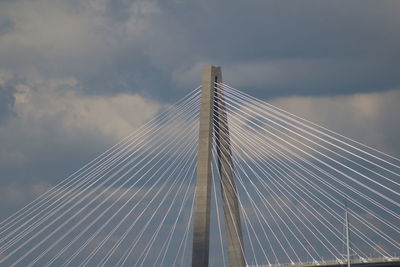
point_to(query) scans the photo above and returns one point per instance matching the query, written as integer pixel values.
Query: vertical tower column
(201, 230)
(233, 227)
(210, 99)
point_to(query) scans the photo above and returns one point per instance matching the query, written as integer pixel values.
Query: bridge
(220, 178)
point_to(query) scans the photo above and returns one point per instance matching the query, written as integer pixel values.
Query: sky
(77, 76)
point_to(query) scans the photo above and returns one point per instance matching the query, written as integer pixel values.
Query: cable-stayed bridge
(221, 179)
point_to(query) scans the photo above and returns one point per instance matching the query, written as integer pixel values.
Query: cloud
(7, 98)
(17, 195)
(156, 47)
(112, 116)
(61, 39)
(369, 118)
(53, 114)
(251, 123)
(312, 76)
(277, 49)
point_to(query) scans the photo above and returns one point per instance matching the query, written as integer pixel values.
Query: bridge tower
(212, 109)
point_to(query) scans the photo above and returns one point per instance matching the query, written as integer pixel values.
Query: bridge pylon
(213, 113)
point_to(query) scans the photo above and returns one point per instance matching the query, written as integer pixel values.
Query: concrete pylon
(212, 108)
(233, 227)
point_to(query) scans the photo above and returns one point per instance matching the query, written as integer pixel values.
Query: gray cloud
(7, 98)
(62, 128)
(370, 118)
(151, 47)
(6, 101)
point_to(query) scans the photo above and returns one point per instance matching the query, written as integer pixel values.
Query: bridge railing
(332, 262)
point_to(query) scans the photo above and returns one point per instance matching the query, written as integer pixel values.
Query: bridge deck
(370, 263)
(362, 264)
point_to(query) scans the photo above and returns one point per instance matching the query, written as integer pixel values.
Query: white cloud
(370, 118)
(111, 116)
(348, 115)
(57, 38)
(46, 109)
(51, 28)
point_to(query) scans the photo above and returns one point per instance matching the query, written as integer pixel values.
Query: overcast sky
(77, 76)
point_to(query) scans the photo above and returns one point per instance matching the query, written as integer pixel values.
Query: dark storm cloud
(313, 48)
(272, 48)
(283, 48)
